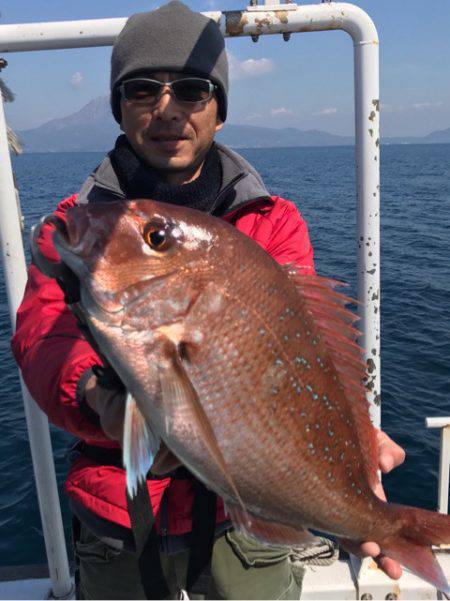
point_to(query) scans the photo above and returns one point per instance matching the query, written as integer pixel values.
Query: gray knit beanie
(171, 38)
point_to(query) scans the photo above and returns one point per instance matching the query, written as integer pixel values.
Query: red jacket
(52, 364)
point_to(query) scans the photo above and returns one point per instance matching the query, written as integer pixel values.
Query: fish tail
(411, 545)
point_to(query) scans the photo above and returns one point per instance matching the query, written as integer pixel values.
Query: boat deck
(335, 581)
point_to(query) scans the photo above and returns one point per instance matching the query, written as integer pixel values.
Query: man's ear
(219, 124)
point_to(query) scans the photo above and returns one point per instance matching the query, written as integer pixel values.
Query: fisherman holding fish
(169, 88)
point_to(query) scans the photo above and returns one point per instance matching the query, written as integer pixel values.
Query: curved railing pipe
(254, 21)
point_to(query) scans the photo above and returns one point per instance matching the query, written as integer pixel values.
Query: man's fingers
(386, 462)
(109, 405)
(390, 454)
(389, 566)
(369, 550)
(360, 549)
(113, 415)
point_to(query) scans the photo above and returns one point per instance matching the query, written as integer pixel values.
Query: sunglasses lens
(140, 90)
(191, 90)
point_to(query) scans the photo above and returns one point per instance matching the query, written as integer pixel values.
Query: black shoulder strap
(146, 540)
(202, 537)
(143, 525)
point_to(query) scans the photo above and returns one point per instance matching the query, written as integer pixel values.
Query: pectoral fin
(178, 390)
(140, 445)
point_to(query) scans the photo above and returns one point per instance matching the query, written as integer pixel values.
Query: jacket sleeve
(50, 349)
(289, 238)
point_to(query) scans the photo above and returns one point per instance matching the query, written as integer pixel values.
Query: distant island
(92, 128)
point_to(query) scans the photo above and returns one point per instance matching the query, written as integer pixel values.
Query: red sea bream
(249, 373)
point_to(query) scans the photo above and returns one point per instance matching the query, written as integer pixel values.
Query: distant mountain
(93, 129)
(438, 137)
(90, 129)
(250, 136)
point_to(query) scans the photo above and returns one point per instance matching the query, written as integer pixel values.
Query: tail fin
(411, 546)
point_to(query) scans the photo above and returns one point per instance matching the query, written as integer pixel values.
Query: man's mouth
(168, 137)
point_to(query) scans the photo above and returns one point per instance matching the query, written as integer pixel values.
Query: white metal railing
(444, 459)
(254, 21)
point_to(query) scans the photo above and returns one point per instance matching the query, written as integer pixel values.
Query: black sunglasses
(142, 90)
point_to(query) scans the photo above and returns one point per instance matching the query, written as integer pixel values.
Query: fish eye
(157, 237)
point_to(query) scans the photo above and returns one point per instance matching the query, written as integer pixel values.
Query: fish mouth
(66, 236)
(52, 269)
(104, 306)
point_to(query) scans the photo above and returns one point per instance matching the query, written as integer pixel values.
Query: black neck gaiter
(139, 180)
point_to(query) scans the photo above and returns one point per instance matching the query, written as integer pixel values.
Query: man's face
(170, 136)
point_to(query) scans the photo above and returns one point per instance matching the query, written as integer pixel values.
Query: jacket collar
(241, 184)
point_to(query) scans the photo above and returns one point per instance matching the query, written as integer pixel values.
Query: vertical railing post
(368, 213)
(38, 431)
(444, 469)
(444, 459)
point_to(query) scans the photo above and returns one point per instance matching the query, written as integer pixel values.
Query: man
(169, 86)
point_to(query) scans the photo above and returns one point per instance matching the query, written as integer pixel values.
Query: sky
(305, 83)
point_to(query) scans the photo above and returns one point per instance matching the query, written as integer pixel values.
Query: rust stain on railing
(235, 21)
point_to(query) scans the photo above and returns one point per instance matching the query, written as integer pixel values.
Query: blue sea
(415, 305)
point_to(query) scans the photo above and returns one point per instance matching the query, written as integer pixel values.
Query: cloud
(400, 108)
(249, 68)
(424, 105)
(254, 116)
(327, 111)
(281, 112)
(77, 80)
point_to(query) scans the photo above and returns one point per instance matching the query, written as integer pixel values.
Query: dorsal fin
(334, 324)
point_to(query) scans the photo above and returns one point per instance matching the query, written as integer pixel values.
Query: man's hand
(390, 455)
(109, 405)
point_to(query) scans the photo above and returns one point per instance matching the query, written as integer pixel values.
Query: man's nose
(166, 106)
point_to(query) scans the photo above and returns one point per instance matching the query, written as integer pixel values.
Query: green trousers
(240, 569)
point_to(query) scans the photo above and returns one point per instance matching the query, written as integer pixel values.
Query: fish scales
(248, 373)
(278, 425)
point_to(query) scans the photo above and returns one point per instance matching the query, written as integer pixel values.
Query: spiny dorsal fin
(334, 324)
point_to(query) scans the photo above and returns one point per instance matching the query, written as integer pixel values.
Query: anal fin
(271, 533)
(165, 461)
